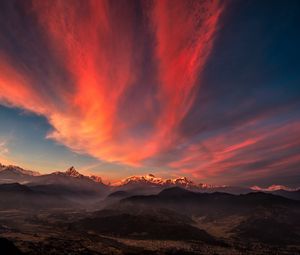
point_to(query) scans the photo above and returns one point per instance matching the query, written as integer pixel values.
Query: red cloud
(184, 35)
(99, 47)
(247, 152)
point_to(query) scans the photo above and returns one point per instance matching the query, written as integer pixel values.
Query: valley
(69, 213)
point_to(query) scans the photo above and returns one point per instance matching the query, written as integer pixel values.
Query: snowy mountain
(71, 184)
(68, 183)
(140, 183)
(17, 170)
(155, 184)
(17, 174)
(96, 178)
(151, 180)
(147, 179)
(72, 172)
(10, 174)
(273, 187)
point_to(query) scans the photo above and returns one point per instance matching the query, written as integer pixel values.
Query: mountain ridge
(13, 174)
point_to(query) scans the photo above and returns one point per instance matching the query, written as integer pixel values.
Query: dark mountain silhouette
(213, 205)
(155, 225)
(119, 194)
(267, 230)
(67, 190)
(147, 227)
(15, 188)
(146, 209)
(178, 196)
(288, 194)
(262, 213)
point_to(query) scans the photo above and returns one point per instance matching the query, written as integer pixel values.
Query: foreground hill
(216, 203)
(174, 221)
(153, 225)
(254, 216)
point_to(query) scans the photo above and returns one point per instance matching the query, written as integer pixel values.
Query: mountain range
(238, 224)
(146, 210)
(73, 181)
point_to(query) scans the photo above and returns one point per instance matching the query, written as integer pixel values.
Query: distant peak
(153, 180)
(182, 179)
(149, 178)
(73, 172)
(18, 170)
(273, 187)
(96, 178)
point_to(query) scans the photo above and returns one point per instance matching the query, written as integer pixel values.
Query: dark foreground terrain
(173, 221)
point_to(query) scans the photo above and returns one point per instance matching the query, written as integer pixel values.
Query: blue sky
(207, 89)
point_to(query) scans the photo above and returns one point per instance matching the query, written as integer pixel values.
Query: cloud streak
(181, 86)
(97, 44)
(249, 153)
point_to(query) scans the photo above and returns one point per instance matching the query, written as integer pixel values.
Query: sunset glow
(152, 85)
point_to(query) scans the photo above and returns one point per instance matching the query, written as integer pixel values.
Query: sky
(204, 89)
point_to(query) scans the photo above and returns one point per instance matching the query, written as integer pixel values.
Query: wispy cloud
(98, 46)
(166, 84)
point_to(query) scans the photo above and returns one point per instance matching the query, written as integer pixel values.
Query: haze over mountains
(205, 93)
(11, 174)
(77, 190)
(140, 213)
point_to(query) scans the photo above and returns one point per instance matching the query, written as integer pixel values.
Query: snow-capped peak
(18, 170)
(96, 178)
(182, 181)
(153, 180)
(72, 172)
(149, 178)
(273, 187)
(210, 186)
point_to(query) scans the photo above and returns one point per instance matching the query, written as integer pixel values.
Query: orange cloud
(99, 47)
(234, 154)
(184, 36)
